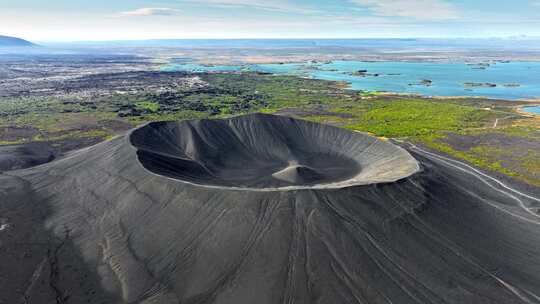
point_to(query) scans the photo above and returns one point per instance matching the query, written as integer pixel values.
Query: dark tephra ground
(175, 213)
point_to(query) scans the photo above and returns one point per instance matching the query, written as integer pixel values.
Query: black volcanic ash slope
(23, 156)
(175, 213)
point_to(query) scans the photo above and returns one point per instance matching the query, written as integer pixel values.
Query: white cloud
(276, 5)
(150, 11)
(429, 10)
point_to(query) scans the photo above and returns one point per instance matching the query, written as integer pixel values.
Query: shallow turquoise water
(448, 79)
(533, 109)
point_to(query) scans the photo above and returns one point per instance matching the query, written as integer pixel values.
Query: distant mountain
(6, 41)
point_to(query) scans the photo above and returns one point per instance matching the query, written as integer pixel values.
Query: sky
(83, 20)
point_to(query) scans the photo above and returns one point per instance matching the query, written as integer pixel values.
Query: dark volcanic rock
(426, 82)
(23, 156)
(163, 233)
(364, 73)
(479, 84)
(359, 73)
(423, 82)
(129, 112)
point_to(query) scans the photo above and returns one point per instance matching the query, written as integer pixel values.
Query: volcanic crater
(265, 152)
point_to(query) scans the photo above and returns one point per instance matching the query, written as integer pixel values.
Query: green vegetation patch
(414, 117)
(175, 116)
(148, 106)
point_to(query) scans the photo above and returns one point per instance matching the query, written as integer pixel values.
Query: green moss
(182, 115)
(12, 142)
(520, 131)
(147, 105)
(414, 117)
(104, 134)
(369, 93)
(330, 119)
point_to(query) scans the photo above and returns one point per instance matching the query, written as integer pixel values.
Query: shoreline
(520, 110)
(323, 59)
(237, 67)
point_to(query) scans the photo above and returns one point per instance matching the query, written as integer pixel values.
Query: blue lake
(532, 109)
(512, 80)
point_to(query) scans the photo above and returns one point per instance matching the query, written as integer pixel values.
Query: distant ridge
(7, 41)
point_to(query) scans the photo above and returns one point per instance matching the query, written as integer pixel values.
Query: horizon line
(283, 38)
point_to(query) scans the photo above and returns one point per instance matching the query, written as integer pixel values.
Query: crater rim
(398, 162)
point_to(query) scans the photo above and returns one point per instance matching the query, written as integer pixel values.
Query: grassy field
(462, 128)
